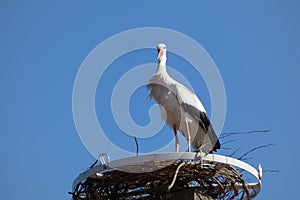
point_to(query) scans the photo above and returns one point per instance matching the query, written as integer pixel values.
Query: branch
(254, 149)
(230, 141)
(224, 135)
(271, 170)
(137, 146)
(235, 151)
(93, 164)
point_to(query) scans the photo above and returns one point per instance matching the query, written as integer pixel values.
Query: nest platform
(168, 176)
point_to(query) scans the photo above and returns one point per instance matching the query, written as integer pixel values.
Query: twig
(254, 149)
(226, 148)
(271, 170)
(137, 146)
(93, 164)
(230, 141)
(175, 175)
(245, 159)
(235, 152)
(224, 135)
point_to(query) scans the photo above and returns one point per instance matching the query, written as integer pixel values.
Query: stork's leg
(188, 136)
(176, 138)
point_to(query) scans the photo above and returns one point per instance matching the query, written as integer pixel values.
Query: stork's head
(161, 50)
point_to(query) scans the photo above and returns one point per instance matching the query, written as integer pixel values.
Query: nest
(209, 179)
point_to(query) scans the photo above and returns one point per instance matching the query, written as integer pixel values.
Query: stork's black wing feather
(198, 115)
(204, 122)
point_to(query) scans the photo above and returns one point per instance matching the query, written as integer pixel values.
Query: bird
(181, 108)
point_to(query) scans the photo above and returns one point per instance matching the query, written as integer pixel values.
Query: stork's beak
(160, 52)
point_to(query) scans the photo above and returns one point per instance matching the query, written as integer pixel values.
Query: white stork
(181, 108)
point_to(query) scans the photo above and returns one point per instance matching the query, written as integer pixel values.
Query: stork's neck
(161, 68)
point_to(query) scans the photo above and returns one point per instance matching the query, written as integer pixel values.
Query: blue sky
(254, 44)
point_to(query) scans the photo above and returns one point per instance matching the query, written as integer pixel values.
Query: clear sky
(254, 44)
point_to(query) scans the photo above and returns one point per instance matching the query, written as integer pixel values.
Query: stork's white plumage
(181, 108)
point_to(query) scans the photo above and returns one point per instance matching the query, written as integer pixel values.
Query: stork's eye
(164, 48)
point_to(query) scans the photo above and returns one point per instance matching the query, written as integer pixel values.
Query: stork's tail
(216, 147)
(206, 141)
